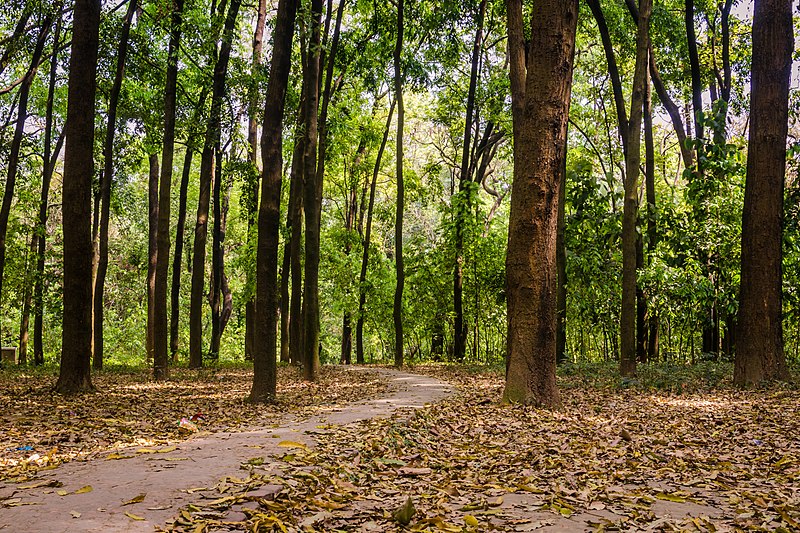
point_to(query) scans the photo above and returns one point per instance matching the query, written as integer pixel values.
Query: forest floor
(660, 453)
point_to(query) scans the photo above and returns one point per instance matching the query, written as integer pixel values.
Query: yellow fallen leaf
(84, 490)
(75, 514)
(136, 499)
(133, 516)
(146, 450)
(470, 520)
(115, 455)
(292, 444)
(62, 492)
(168, 449)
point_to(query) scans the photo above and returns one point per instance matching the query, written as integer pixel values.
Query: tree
(264, 356)
(759, 354)
(16, 144)
(105, 188)
(164, 181)
(397, 313)
(541, 81)
(211, 143)
(630, 213)
(76, 335)
(312, 194)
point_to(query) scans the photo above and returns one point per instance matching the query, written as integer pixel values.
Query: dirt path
(166, 477)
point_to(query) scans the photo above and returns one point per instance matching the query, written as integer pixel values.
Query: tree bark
(105, 188)
(264, 356)
(540, 96)
(294, 248)
(397, 312)
(312, 200)
(206, 173)
(561, 262)
(252, 156)
(152, 257)
(76, 339)
(651, 213)
(628, 313)
(759, 352)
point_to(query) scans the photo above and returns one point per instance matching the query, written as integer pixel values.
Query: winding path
(198, 462)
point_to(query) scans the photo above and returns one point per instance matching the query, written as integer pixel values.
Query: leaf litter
(611, 460)
(130, 414)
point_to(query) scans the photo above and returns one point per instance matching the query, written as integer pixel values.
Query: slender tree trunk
(561, 262)
(541, 83)
(152, 255)
(175, 289)
(264, 356)
(397, 313)
(252, 156)
(105, 189)
(16, 143)
(630, 209)
(652, 213)
(294, 221)
(27, 297)
(312, 201)
(759, 353)
(463, 203)
(76, 342)
(206, 173)
(48, 164)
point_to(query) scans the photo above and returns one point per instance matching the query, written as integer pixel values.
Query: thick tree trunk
(312, 200)
(48, 164)
(152, 256)
(759, 351)
(105, 189)
(541, 82)
(264, 356)
(215, 296)
(16, 143)
(76, 339)
(397, 312)
(206, 173)
(628, 312)
(252, 156)
(362, 278)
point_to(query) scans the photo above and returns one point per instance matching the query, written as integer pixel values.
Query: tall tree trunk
(160, 332)
(76, 337)
(561, 262)
(630, 208)
(252, 156)
(27, 297)
(694, 63)
(206, 173)
(293, 247)
(463, 203)
(105, 188)
(652, 234)
(152, 255)
(362, 277)
(312, 201)
(759, 353)
(397, 313)
(541, 84)
(264, 356)
(16, 143)
(217, 267)
(48, 164)
(175, 291)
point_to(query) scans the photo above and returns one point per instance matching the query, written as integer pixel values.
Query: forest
(228, 208)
